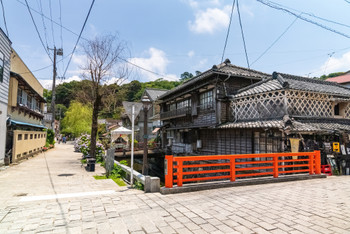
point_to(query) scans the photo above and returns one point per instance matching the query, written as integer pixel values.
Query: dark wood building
(192, 112)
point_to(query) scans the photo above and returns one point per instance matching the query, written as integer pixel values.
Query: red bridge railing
(215, 167)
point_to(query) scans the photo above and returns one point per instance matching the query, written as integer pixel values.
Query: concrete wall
(5, 49)
(27, 143)
(19, 67)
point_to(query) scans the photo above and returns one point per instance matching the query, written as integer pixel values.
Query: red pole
(275, 166)
(311, 163)
(179, 173)
(168, 171)
(317, 162)
(233, 169)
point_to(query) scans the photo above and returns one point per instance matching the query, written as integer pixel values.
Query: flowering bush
(82, 144)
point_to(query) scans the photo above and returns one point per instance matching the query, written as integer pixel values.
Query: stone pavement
(52, 193)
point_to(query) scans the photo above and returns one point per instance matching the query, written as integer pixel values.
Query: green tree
(77, 119)
(335, 74)
(186, 76)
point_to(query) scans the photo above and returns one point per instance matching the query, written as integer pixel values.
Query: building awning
(14, 122)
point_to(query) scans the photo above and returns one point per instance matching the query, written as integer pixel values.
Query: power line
(81, 31)
(240, 24)
(52, 30)
(36, 28)
(273, 43)
(228, 31)
(3, 14)
(303, 18)
(43, 21)
(61, 30)
(347, 1)
(50, 19)
(312, 15)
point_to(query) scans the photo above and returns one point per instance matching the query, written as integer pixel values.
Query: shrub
(50, 137)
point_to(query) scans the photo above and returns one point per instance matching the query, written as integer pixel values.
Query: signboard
(165, 167)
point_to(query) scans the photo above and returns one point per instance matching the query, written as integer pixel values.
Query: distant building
(5, 52)
(343, 80)
(25, 135)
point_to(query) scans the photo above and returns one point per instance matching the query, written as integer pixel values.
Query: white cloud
(334, 64)
(156, 62)
(190, 54)
(47, 84)
(210, 20)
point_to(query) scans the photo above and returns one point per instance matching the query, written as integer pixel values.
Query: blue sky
(170, 37)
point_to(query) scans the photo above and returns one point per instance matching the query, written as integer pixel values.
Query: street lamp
(146, 106)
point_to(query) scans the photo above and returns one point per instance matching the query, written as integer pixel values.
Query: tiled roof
(295, 126)
(340, 79)
(223, 68)
(286, 81)
(255, 124)
(155, 93)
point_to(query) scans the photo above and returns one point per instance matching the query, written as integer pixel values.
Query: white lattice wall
(309, 104)
(272, 105)
(259, 106)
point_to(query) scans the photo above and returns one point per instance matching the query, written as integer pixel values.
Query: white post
(132, 145)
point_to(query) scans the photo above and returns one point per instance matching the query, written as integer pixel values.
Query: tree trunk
(94, 126)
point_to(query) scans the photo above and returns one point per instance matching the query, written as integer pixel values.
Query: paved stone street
(52, 193)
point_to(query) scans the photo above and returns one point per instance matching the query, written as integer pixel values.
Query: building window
(19, 137)
(29, 101)
(183, 104)
(19, 96)
(31, 136)
(35, 136)
(206, 100)
(339, 109)
(2, 58)
(25, 136)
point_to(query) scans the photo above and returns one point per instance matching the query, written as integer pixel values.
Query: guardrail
(237, 166)
(151, 184)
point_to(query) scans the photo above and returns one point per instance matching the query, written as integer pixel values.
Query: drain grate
(66, 175)
(21, 194)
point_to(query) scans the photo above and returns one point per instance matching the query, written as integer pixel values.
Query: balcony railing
(176, 113)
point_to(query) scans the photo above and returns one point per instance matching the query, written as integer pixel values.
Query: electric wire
(273, 43)
(52, 30)
(43, 21)
(303, 18)
(3, 14)
(241, 26)
(81, 31)
(61, 30)
(347, 1)
(228, 31)
(312, 15)
(36, 28)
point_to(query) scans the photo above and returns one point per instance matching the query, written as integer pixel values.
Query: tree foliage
(335, 74)
(77, 119)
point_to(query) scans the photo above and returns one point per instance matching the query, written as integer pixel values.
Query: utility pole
(55, 52)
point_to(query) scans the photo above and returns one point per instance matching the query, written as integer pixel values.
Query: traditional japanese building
(234, 110)
(192, 112)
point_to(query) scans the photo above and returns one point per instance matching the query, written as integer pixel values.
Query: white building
(5, 52)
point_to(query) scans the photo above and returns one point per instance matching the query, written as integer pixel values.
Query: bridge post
(168, 171)
(275, 166)
(233, 169)
(317, 156)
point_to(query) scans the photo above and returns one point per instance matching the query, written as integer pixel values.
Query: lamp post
(146, 105)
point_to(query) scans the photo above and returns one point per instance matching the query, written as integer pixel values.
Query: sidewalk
(52, 193)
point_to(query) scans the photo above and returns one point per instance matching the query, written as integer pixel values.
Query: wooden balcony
(182, 112)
